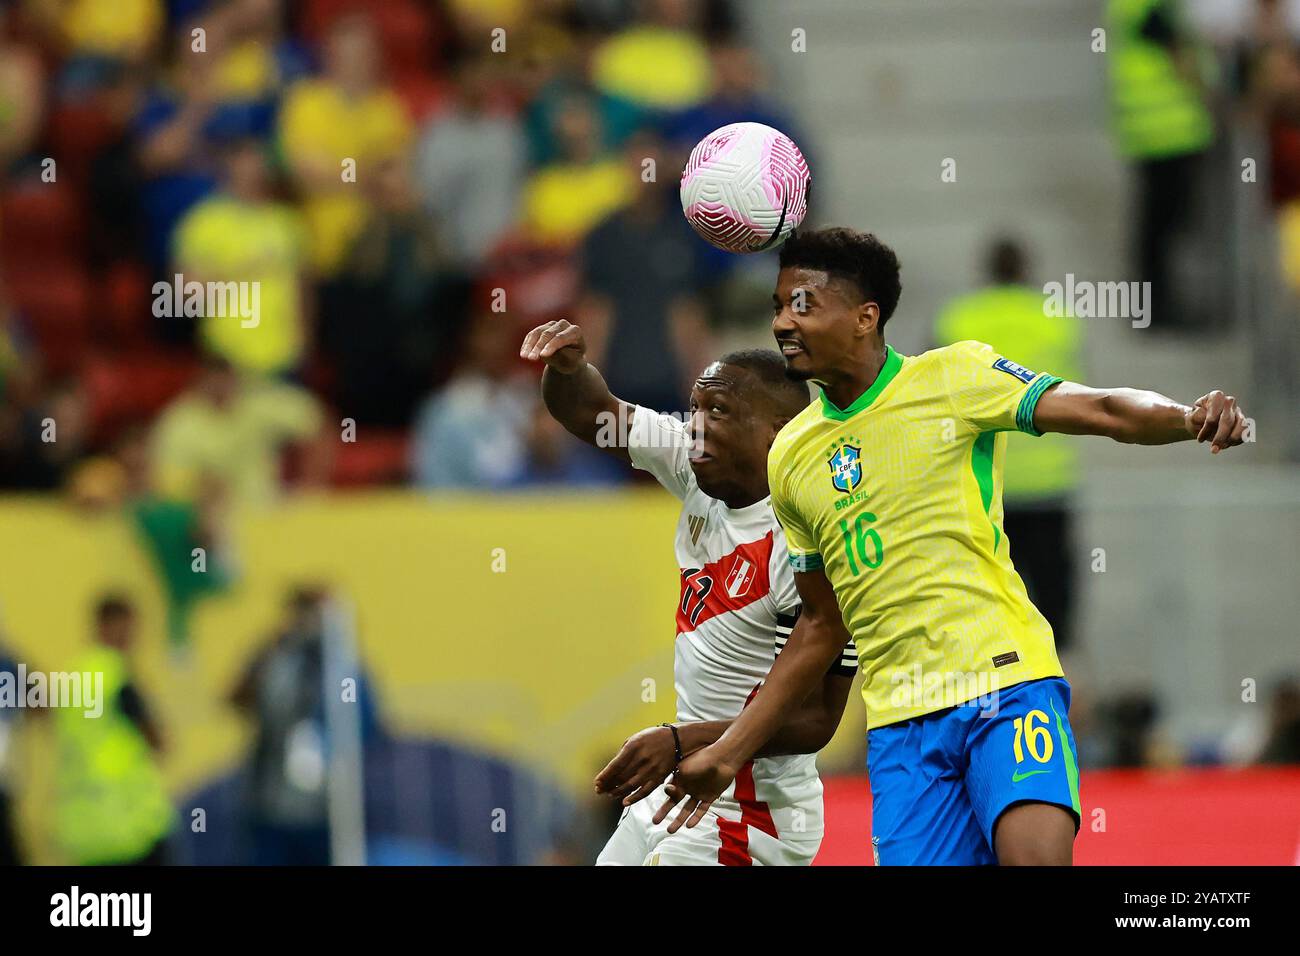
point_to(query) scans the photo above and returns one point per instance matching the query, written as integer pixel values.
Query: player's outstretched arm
(818, 638)
(649, 756)
(574, 392)
(1139, 417)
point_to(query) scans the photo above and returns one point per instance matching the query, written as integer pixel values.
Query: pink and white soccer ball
(745, 187)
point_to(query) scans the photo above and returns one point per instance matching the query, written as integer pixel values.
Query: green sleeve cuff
(1029, 401)
(806, 562)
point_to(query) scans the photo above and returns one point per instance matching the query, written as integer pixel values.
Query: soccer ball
(745, 187)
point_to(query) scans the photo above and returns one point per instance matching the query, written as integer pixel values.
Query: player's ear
(868, 318)
(778, 422)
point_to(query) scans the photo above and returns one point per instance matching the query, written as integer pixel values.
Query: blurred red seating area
(83, 313)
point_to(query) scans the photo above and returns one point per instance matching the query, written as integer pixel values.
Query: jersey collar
(893, 362)
(759, 508)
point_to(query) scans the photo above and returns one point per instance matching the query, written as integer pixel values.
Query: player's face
(116, 630)
(815, 320)
(729, 443)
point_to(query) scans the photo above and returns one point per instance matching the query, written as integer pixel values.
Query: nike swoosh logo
(1017, 777)
(777, 231)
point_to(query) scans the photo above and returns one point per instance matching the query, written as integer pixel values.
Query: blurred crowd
(412, 185)
(1205, 108)
(1202, 92)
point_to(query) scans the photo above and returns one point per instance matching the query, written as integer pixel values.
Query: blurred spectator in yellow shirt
(1161, 92)
(123, 30)
(242, 235)
(1041, 474)
(345, 115)
(198, 101)
(660, 64)
(566, 199)
(233, 431)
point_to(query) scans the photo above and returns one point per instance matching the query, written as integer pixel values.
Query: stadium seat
(411, 38)
(422, 94)
(406, 32)
(40, 222)
(55, 299)
(77, 133)
(541, 282)
(410, 34)
(124, 295)
(126, 388)
(375, 458)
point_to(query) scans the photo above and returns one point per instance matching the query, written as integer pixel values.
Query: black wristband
(677, 742)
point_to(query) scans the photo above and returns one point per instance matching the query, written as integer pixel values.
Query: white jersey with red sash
(736, 607)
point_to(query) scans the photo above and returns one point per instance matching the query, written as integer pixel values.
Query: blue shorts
(939, 782)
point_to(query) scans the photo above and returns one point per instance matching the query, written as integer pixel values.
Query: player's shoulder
(780, 574)
(949, 365)
(963, 352)
(795, 431)
(648, 424)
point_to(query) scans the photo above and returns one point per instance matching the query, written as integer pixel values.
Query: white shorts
(729, 835)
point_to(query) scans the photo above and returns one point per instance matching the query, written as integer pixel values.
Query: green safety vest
(111, 805)
(1010, 318)
(1157, 113)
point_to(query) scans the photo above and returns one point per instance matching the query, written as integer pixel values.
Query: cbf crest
(845, 464)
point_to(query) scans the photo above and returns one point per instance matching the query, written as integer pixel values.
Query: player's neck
(744, 497)
(847, 385)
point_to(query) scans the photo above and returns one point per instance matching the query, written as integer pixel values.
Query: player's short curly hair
(858, 257)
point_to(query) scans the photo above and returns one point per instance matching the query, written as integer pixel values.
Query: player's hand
(700, 779)
(559, 344)
(644, 762)
(1218, 419)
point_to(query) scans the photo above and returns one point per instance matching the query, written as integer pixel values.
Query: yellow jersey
(899, 498)
(226, 240)
(321, 125)
(565, 201)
